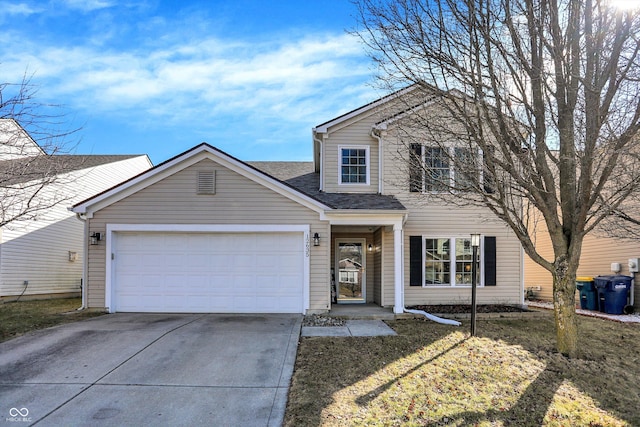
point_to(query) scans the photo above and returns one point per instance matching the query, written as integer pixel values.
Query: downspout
(320, 159)
(376, 134)
(85, 259)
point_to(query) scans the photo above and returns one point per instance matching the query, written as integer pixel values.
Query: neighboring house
(44, 256)
(207, 232)
(600, 256)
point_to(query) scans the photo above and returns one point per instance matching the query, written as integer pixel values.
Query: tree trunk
(564, 306)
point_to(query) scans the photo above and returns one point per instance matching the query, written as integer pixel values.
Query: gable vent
(206, 182)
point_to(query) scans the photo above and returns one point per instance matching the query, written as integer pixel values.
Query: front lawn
(17, 318)
(432, 374)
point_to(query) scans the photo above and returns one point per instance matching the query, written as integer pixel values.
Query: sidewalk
(351, 328)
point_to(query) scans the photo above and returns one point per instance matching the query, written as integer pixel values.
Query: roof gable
(183, 161)
(377, 104)
(15, 142)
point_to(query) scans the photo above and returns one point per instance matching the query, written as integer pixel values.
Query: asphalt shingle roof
(31, 168)
(301, 176)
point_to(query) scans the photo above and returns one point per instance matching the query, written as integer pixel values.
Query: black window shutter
(415, 168)
(490, 261)
(415, 261)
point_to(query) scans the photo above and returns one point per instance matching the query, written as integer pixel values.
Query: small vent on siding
(206, 182)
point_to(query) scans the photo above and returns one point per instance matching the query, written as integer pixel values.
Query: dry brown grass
(17, 318)
(432, 374)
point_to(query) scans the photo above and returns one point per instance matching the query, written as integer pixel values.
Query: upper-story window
(436, 169)
(354, 165)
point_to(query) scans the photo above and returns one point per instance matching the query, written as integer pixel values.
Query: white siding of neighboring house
(38, 251)
(237, 200)
(15, 143)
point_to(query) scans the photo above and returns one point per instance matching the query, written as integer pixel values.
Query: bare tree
(539, 111)
(33, 136)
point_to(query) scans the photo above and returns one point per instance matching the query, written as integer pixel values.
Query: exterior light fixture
(316, 240)
(475, 243)
(370, 248)
(95, 238)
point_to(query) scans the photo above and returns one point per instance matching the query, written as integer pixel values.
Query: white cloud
(11, 9)
(87, 5)
(209, 76)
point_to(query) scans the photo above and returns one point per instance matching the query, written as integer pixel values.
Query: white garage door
(208, 272)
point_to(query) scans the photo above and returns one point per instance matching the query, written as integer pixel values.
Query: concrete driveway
(151, 369)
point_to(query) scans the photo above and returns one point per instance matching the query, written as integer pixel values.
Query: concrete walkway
(351, 328)
(151, 369)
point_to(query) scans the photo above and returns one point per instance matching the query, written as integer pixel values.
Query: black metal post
(474, 273)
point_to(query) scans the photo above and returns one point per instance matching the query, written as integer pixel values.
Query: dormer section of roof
(348, 150)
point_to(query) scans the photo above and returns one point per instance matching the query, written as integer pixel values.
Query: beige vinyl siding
(445, 222)
(534, 274)
(388, 279)
(377, 266)
(597, 255)
(237, 200)
(38, 251)
(351, 133)
(431, 217)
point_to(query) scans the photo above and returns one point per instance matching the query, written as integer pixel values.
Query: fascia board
(182, 162)
(367, 217)
(324, 128)
(384, 125)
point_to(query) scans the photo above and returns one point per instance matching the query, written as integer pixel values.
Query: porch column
(398, 269)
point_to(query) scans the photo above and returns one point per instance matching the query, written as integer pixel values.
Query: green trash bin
(588, 293)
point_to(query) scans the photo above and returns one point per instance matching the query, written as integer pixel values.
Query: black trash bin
(601, 283)
(616, 294)
(588, 294)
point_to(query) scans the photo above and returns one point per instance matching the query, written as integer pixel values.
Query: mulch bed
(466, 308)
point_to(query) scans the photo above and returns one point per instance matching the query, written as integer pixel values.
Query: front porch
(366, 270)
(362, 311)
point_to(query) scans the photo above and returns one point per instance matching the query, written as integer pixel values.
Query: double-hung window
(435, 169)
(353, 165)
(448, 261)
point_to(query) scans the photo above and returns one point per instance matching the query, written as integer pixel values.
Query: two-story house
(207, 232)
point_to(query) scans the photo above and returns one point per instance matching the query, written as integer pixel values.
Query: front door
(350, 264)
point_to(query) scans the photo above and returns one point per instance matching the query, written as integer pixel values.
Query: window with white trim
(448, 261)
(353, 165)
(432, 169)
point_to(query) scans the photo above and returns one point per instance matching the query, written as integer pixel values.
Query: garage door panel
(214, 272)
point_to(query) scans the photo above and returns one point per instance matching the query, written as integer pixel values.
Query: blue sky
(251, 77)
